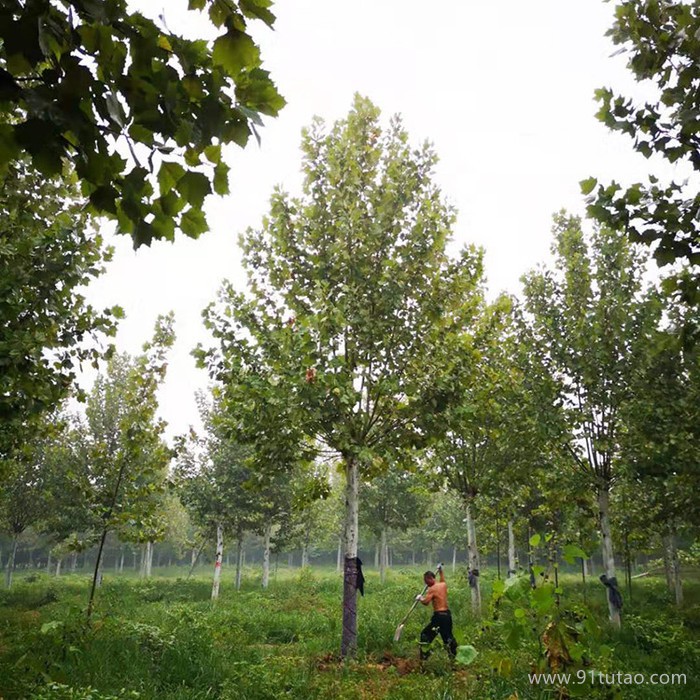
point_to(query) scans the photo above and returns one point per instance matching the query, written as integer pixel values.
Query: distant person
(441, 621)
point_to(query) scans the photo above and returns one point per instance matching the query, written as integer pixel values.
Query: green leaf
(194, 187)
(588, 185)
(535, 540)
(571, 552)
(466, 654)
(235, 51)
(221, 184)
(169, 174)
(193, 223)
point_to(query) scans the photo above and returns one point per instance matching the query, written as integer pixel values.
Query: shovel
(399, 629)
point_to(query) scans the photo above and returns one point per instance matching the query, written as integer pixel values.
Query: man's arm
(425, 599)
(442, 575)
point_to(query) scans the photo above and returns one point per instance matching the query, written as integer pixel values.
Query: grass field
(164, 639)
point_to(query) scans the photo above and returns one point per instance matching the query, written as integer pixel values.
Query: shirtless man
(441, 621)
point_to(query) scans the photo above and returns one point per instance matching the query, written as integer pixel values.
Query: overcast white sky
(503, 88)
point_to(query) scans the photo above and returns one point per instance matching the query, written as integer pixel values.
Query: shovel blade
(397, 634)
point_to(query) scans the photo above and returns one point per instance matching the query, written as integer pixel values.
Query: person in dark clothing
(441, 621)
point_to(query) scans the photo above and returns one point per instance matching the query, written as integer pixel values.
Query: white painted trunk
(217, 561)
(11, 563)
(474, 565)
(454, 559)
(348, 645)
(376, 555)
(149, 559)
(512, 561)
(58, 567)
(121, 562)
(382, 556)
(266, 556)
(607, 548)
(304, 556)
(585, 568)
(339, 558)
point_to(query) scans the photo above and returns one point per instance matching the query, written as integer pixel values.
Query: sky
(504, 90)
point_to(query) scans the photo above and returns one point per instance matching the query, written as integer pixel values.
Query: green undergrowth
(165, 639)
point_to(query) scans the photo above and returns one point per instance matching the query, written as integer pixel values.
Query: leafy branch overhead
(89, 82)
(662, 41)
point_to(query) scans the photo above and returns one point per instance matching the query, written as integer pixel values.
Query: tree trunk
(474, 565)
(217, 560)
(377, 547)
(48, 563)
(512, 563)
(667, 562)
(133, 554)
(121, 561)
(11, 562)
(58, 566)
(607, 547)
(454, 559)
(266, 555)
(239, 562)
(677, 584)
(142, 562)
(348, 645)
(339, 557)
(304, 556)
(149, 559)
(382, 556)
(413, 557)
(498, 548)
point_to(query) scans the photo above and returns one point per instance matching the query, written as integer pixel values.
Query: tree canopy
(121, 97)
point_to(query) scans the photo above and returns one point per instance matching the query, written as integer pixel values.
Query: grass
(165, 639)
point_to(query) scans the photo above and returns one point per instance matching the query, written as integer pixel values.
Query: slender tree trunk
(474, 564)
(382, 556)
(195, 558)
(454, 559)
(239, 561)
(48, 563)
(498, 548)
(121, 562)
(134, 556)
(266, 555)
(11, 562)
(100, 571)
(583, 579)
(677, 584)
(142, 561)
(607, 547)
(58, 566)
(348, 645)
(413, 557)
(339, 557)
(512, 562)
(377, 547)
(665, 545)
(217, 560)
(149, 559)
(304, 555)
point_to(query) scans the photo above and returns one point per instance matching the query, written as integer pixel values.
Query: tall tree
(79, 78)
(588, 318)
(353, 305)
(125, 456)
(48, 253)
